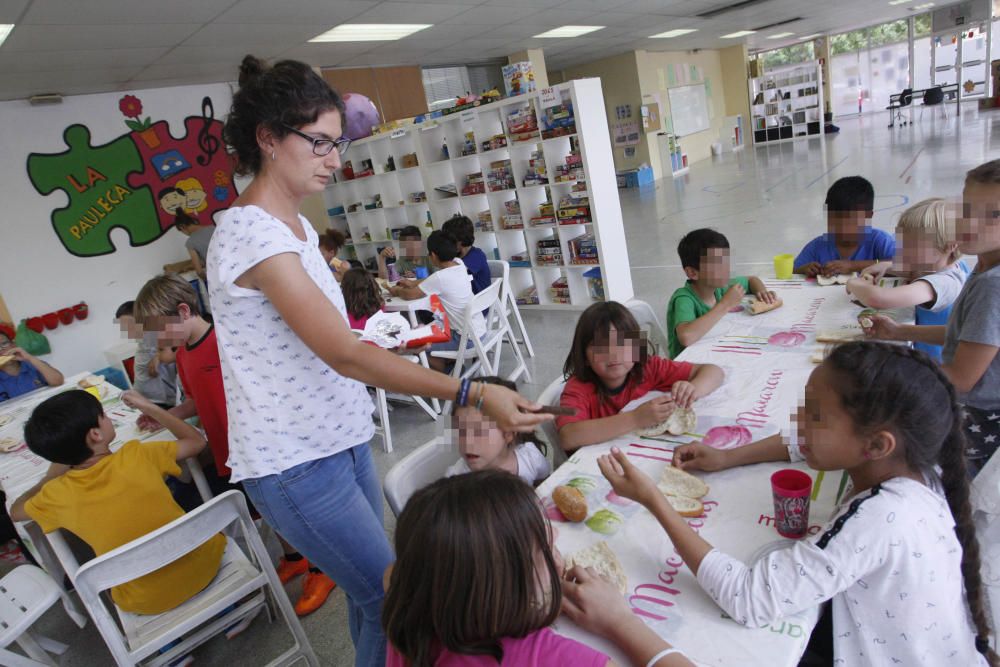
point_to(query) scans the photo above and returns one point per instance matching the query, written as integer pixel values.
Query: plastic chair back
(648, 322)
(906, 97)
(550, 396)
(416, 470)
(933, 96)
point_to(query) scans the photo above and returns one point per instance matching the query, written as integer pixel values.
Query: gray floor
(767, 201)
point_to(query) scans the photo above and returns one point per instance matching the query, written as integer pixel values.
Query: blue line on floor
(825, 173)
(904, 202)
(780, 182)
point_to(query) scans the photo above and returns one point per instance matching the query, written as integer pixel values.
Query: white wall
(37, 274)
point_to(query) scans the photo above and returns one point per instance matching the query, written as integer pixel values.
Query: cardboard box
(409, 160)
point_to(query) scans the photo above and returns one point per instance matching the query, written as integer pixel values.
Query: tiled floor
(767, 201)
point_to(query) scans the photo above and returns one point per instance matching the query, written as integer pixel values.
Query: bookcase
(534, 173)
(787, 103)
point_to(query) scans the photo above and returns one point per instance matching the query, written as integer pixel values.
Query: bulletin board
(689, 111)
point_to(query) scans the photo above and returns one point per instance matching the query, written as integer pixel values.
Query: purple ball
(359, 116)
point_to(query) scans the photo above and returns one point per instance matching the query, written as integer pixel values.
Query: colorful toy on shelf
(559, 291)
(527, 297)
(495, 142)
(519, 261)
(500, 176)
(511, 219)
(484, 222)
(418, 197)
(595, 283)
(573, 210)
(474, 184)
(469, 147)
(409, 161)
(572, 170)
(536, 174)
(559, 121)
(546, 215)
(522, 123)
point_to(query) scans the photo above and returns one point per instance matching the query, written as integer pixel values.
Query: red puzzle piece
(193, 172)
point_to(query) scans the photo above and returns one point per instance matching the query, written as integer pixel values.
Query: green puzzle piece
(100, 198)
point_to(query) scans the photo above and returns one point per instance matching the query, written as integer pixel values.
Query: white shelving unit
(733, 133)
(509, 170)
(787, 103)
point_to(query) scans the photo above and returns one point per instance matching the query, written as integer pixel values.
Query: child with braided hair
(899, 562)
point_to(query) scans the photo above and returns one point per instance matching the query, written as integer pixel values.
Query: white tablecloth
(767, 360)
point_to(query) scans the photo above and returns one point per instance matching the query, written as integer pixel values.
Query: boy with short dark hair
(109, 499)
(850, 243)
(709, 292)
(411, 254)
(474, 259)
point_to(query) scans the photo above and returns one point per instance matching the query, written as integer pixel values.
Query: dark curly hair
(362, 296)
(288, 93)
(902, 390)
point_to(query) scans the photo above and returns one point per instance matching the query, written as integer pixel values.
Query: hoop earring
(273, 157)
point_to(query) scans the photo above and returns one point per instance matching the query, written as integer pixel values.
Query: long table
(767, 360)
(20, 470)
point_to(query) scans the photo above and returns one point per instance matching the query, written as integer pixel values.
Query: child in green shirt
(709, 292)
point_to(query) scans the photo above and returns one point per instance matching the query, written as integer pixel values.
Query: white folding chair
(501, 269)
(242, 587)
(475, 360)
(550, 396)
(26, 593)
(382, 401)
(416, 470)
(650, 323)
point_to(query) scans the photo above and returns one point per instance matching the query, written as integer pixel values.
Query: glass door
(945, 58)
(973, 69)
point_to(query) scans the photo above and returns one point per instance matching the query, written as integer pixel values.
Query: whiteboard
(689, 109)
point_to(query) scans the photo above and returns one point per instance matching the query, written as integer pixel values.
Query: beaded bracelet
(462, 399)
(482, 396)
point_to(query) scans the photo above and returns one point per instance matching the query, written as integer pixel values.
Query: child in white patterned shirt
(900, 562)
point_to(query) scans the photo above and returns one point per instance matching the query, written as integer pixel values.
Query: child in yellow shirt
(109, 499)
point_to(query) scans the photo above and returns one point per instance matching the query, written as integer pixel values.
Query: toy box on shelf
(518, 78)
(534, 173)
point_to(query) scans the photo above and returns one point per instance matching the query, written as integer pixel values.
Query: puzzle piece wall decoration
(137, 182)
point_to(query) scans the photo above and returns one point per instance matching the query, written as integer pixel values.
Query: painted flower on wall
(131, 107)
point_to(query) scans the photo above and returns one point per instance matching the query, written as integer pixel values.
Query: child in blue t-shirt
(850, 243)
(21, 372)
(474, 259)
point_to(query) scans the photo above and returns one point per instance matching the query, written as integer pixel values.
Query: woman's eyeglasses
(322, 146)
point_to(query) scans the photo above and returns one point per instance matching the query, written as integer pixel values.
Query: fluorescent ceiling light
(781, 35)
(814, 36)
(926, 5)
(674, 33)
(738, 33)
(370, 32)
(5, 30)
(899, 2)
(570, 31)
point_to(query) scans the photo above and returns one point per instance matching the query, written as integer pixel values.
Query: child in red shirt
(608, 366)
(168, 305)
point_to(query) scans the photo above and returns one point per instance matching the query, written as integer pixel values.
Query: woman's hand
(627, 480)
(654, 411)
(510, 410)
(696, 456)
(592, 602)
(683, 393)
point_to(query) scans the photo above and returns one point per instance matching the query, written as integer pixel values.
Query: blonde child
(451, 599)
(483, 445)
(709, 292)
(889, 417)
(609, 365)
(928, 257)
(971, 338)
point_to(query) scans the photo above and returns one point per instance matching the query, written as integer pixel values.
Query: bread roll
(758, 307)
(604, 561)
(570, 502)
(689, 507)
(676, 482)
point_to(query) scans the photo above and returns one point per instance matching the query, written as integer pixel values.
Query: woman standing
(295, 376)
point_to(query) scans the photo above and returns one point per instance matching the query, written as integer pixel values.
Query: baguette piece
(570, 502)
(689, 507)
(840, 335)
(680, 421)
(676, 482)
(758, 307)
(6, 359)
(604, 561)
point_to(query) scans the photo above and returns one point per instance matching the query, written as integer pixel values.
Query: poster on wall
(625, 133)
(138, 181)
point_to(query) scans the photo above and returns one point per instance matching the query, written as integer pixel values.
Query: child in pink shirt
(362, 297)
(482, 536)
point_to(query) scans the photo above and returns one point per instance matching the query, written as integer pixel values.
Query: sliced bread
(603, 560)
(676, 482)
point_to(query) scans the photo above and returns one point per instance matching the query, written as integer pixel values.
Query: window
(921, 25)
(888, 33)
(443, 85)
(788, 55)
(849, 41)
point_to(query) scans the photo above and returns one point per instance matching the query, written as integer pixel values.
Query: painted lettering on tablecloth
(659, 595)
(806, 324)
(792, 630)
(758, 416)
(766, 520)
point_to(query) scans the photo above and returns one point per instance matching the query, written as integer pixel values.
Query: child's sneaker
(316, 588)
(289, 569)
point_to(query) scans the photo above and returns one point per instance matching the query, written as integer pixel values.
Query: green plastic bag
(30, 341)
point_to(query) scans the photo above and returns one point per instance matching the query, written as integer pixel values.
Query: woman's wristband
(462, 399)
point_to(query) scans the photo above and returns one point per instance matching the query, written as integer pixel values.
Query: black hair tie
(982, 644)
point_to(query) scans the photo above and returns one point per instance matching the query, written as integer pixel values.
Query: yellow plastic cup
(94, 391)
(783, 266)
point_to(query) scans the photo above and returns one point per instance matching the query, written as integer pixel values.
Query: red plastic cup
(791, 489)
(36, 324)
(80, 310)
(66, 315)
(51, 320)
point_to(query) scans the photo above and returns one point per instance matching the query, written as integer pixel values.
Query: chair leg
(435, 403)
(10, 659)
(30, 645)
(520, 325)
(383, 413)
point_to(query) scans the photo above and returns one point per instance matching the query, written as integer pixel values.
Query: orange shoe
(316, 588)
(289, 569)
